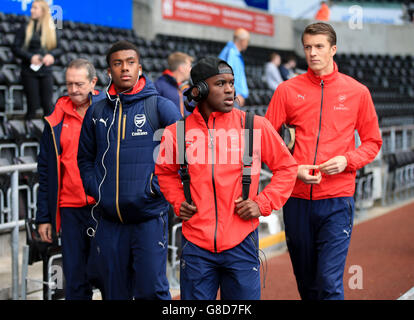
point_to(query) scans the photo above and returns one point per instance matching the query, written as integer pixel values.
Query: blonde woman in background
(36, 44)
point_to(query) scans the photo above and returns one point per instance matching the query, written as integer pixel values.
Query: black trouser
(39, 93)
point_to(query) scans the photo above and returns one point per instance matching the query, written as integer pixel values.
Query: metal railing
(397, 138)
(15, 224)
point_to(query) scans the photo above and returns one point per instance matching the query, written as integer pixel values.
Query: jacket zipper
(319, 133)
(123, 126)
(117, 162)
(214, 185)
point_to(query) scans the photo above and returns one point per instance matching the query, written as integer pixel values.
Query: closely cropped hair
(176, 59)
(83, 63)
(119, 46)
(45, 25)
(273, 55)
(321, 28)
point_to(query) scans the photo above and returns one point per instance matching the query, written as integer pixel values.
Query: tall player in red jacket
(325, 107)
(220, 238)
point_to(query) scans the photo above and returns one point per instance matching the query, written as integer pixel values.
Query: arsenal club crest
(139, 120)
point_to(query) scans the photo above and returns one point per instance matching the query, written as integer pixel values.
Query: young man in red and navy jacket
(62, 204)
(116, 163)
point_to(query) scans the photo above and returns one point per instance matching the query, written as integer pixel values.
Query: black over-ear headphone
(202, 89)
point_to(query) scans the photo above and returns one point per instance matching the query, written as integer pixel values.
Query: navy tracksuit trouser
(318, 234)
(235, 271)
(76, 252)
(133, 258)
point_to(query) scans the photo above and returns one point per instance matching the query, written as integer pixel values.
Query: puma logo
(346, 232)
(301, 96)
(103, 121)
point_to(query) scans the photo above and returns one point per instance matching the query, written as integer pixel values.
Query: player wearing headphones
(220, 237)
(117, 168)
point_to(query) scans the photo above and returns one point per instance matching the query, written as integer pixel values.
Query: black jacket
(25, 54)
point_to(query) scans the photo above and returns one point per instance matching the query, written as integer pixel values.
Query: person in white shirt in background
(272, 74)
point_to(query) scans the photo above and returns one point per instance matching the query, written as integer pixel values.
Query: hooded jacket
(326, 111)
(62, 123)
(116, 154)
(214, 154)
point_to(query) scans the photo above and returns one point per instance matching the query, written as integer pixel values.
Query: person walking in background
(62, 203)
(324, 12)
(174, 80)
(272, 74)
(232, 54)
(287, 69)
(37, 45)
(325, 107)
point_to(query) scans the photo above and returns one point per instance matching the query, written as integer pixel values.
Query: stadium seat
(16, 130)
(35, 128)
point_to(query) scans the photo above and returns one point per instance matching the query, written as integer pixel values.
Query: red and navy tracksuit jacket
(130, 192)
(49, 164)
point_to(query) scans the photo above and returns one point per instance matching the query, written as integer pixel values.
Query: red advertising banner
(217, 15)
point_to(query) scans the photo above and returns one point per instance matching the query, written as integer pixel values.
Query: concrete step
(34, 273)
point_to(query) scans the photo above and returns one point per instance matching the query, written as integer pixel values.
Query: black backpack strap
(287, 133)
(151, 112)
(248, 154)
(182, 158)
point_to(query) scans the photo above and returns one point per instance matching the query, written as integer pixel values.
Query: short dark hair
(321, 28)
(83, 63)
(119, 46)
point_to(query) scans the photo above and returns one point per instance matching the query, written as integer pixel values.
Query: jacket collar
(137, 88)
(216, 114)
(168, 75)
(327, 79)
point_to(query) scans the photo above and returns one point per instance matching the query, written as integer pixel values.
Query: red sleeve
(276, 112)
(167, 170)
(369, 133)
(277, 157)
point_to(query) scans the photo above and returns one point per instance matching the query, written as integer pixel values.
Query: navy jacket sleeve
(87, 154)
(42, 214)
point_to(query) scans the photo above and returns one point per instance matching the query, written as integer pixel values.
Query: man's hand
(334, 166)
(247, 209)
(187, 211)
(45, 231)
(48, 60)
(304, 174)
